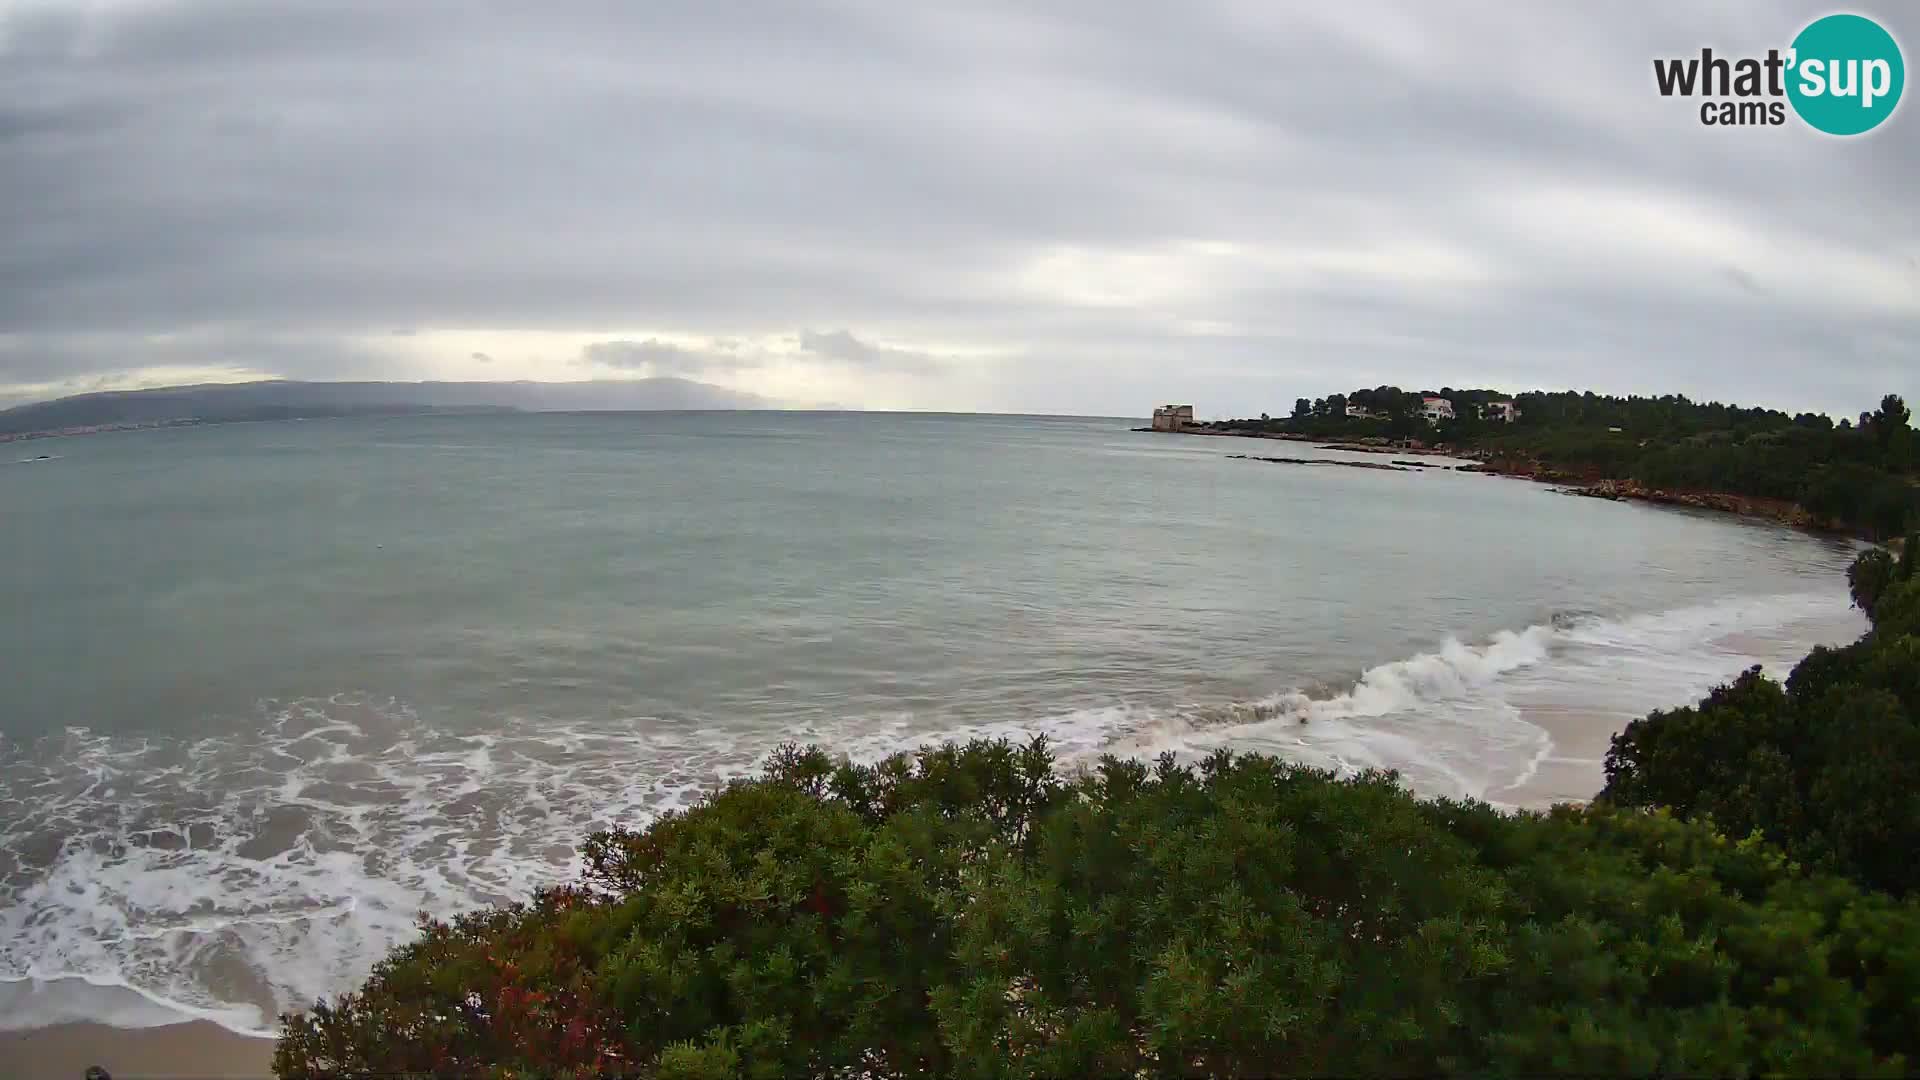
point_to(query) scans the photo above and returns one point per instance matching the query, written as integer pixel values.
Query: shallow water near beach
(268, 690)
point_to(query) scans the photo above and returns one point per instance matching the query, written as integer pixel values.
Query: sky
(1058, 206)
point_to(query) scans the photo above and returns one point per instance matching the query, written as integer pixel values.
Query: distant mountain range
(286, 400)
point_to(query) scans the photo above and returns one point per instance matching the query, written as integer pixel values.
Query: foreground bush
(964, 911)
(1827, 766)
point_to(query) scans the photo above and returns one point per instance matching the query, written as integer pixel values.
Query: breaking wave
(231, 877)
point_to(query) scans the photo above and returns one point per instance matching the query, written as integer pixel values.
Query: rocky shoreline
(1776, 510)
(1395, 467)
(1585, 484)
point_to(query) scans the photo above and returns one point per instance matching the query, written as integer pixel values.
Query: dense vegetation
(1827, 766)
(968, 911)
(1855, 475)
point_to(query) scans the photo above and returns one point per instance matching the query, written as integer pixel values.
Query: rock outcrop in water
(1321, 461)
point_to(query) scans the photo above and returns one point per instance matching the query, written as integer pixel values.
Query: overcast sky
(1084, 207)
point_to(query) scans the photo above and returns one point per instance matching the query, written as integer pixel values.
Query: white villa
(1358, 413)
(1436, 409)
(1503, 411)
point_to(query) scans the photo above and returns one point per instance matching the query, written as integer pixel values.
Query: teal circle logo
(1846, 74)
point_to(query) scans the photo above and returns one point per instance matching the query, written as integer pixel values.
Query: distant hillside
(228, 402)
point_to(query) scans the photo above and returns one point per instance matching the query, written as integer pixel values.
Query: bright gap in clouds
(1071, 207)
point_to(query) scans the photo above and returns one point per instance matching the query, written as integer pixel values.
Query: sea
(269, 691)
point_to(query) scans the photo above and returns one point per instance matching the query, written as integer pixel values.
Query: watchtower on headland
(1173, 418)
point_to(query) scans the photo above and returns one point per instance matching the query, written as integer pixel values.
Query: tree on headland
(1893, 413)
(1890, 426)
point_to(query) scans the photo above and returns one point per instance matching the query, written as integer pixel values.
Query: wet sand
(198, 1050)
(1574, 770)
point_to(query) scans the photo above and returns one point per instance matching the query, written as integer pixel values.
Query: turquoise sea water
(267, 690)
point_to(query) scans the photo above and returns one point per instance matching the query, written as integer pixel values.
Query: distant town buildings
(1503, 411)
(1173, 418)
(1356, 412)
(1436, 409)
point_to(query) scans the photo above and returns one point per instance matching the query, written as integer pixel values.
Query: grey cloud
(1745, 280)
(319, 171)
(19, 123)
(843, 346)
(661, 358)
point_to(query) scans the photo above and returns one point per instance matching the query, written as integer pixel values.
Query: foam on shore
(146, 881)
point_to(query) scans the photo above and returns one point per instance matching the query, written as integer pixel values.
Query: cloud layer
(1083, 206)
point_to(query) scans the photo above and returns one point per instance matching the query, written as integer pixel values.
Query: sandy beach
(50, 1028)
(1574, 771)
(198, 1050)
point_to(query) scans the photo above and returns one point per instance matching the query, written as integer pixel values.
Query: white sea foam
(27, 1004)
(231, 877)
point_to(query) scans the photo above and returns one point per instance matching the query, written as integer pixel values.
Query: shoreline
(1776, 511)
(1567, 769)
(1570, 769)
(195, 1048)
(58, 1027)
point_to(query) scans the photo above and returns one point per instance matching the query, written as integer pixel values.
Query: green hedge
(966, 911)
(1827, 766)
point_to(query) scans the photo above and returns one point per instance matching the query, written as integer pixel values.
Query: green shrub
(962, 911)
(1828, 767)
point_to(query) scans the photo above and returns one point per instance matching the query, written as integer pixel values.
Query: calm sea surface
(267, 690)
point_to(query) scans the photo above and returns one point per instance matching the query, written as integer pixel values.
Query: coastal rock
(1590, 485)
(1587, 482)
(1321, 461)
(1359, 448)
(1786, 513)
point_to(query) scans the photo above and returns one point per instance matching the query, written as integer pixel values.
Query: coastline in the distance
(1803, 470)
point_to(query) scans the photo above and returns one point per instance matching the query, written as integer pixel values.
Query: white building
(1358, 413)
(1173, 417)
(1503, 411)
(1436, 409)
